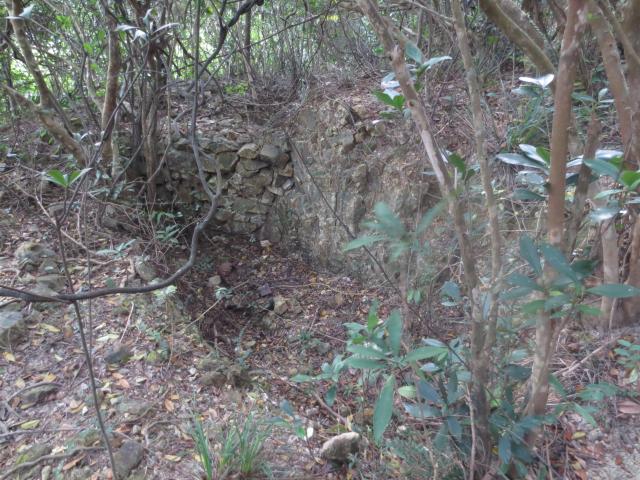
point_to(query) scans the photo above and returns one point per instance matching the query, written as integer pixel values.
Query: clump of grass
(240, 448)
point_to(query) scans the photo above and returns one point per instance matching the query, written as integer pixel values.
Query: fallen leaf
(578, 435)
(50, 328)
(20, 383)
(48, 377)
(175, 396)
(629, 407)
(168, 404)
(9, 357)
(122, 383)
(172, 458)
(618, 460)
(30, 424)
(72, 463)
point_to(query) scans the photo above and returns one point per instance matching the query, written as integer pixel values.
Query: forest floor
(220, 349)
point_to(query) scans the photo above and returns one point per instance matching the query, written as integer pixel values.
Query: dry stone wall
(340, 161)
(256, 169)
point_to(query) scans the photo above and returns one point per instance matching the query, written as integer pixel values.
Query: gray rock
(339, 448)
(118, 355)
(227, 161)
(270, 153)
(250, 151)
(48, 266)
(88, 437)
(214, 281)
(131, 408)
(144, 269)
(287, 171)
(12, 328)
(128, 456)
(280, 305)
(38, 394)
(247, 168)
(32, 453)
(53, 281)
(32, 253)
(45, 473)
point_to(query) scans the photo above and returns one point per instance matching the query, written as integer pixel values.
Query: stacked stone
(254, 174)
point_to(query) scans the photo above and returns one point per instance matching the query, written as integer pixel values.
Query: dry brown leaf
(72, 463)
(122, 383)
(629, 407)
(168, 404)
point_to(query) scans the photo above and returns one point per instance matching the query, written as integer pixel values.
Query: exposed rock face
(353, 168)
(12, 328)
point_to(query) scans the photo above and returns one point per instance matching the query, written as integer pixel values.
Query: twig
(566, 371)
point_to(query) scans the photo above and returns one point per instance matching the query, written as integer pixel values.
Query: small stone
(88, 437)
(38, 394)
(128, 456)
(265, 290)
(294, 306)
(287, 171)
(48, 266)
(45, 474)
(12, 328)
(214, 281)
(250, 151)
(118, 355)
(339, 448)
(131, 407)
(280, 305)
(227, 161)
(53, 281)
(144, 269)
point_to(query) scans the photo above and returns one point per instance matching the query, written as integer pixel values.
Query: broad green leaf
(363, 241)
(557, 386)
(367, 352)
(452, 290)
(589, 310)
(521, 160)
(422, 353)
(629, 178)
(427, 392)
(533, 153)
(533, 307)
(372, 317)
(520, 280)
(602, 168)
(454, 427)
(524, 194)
(413, 52)
(75, 175)
(504, 449)
(383, 408)
(556, 301)
(364, 363)
(330, 396)
(543, 81)
(515, 293)
(389, 221)
(394, 327)
(457, 161)
(557, 260)
(435, 60)
(615, 290)
(407, 391)
(57, 177)
(585, 413)
(422, 410)
(607, 193)
(529, 252)
(603, 214)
